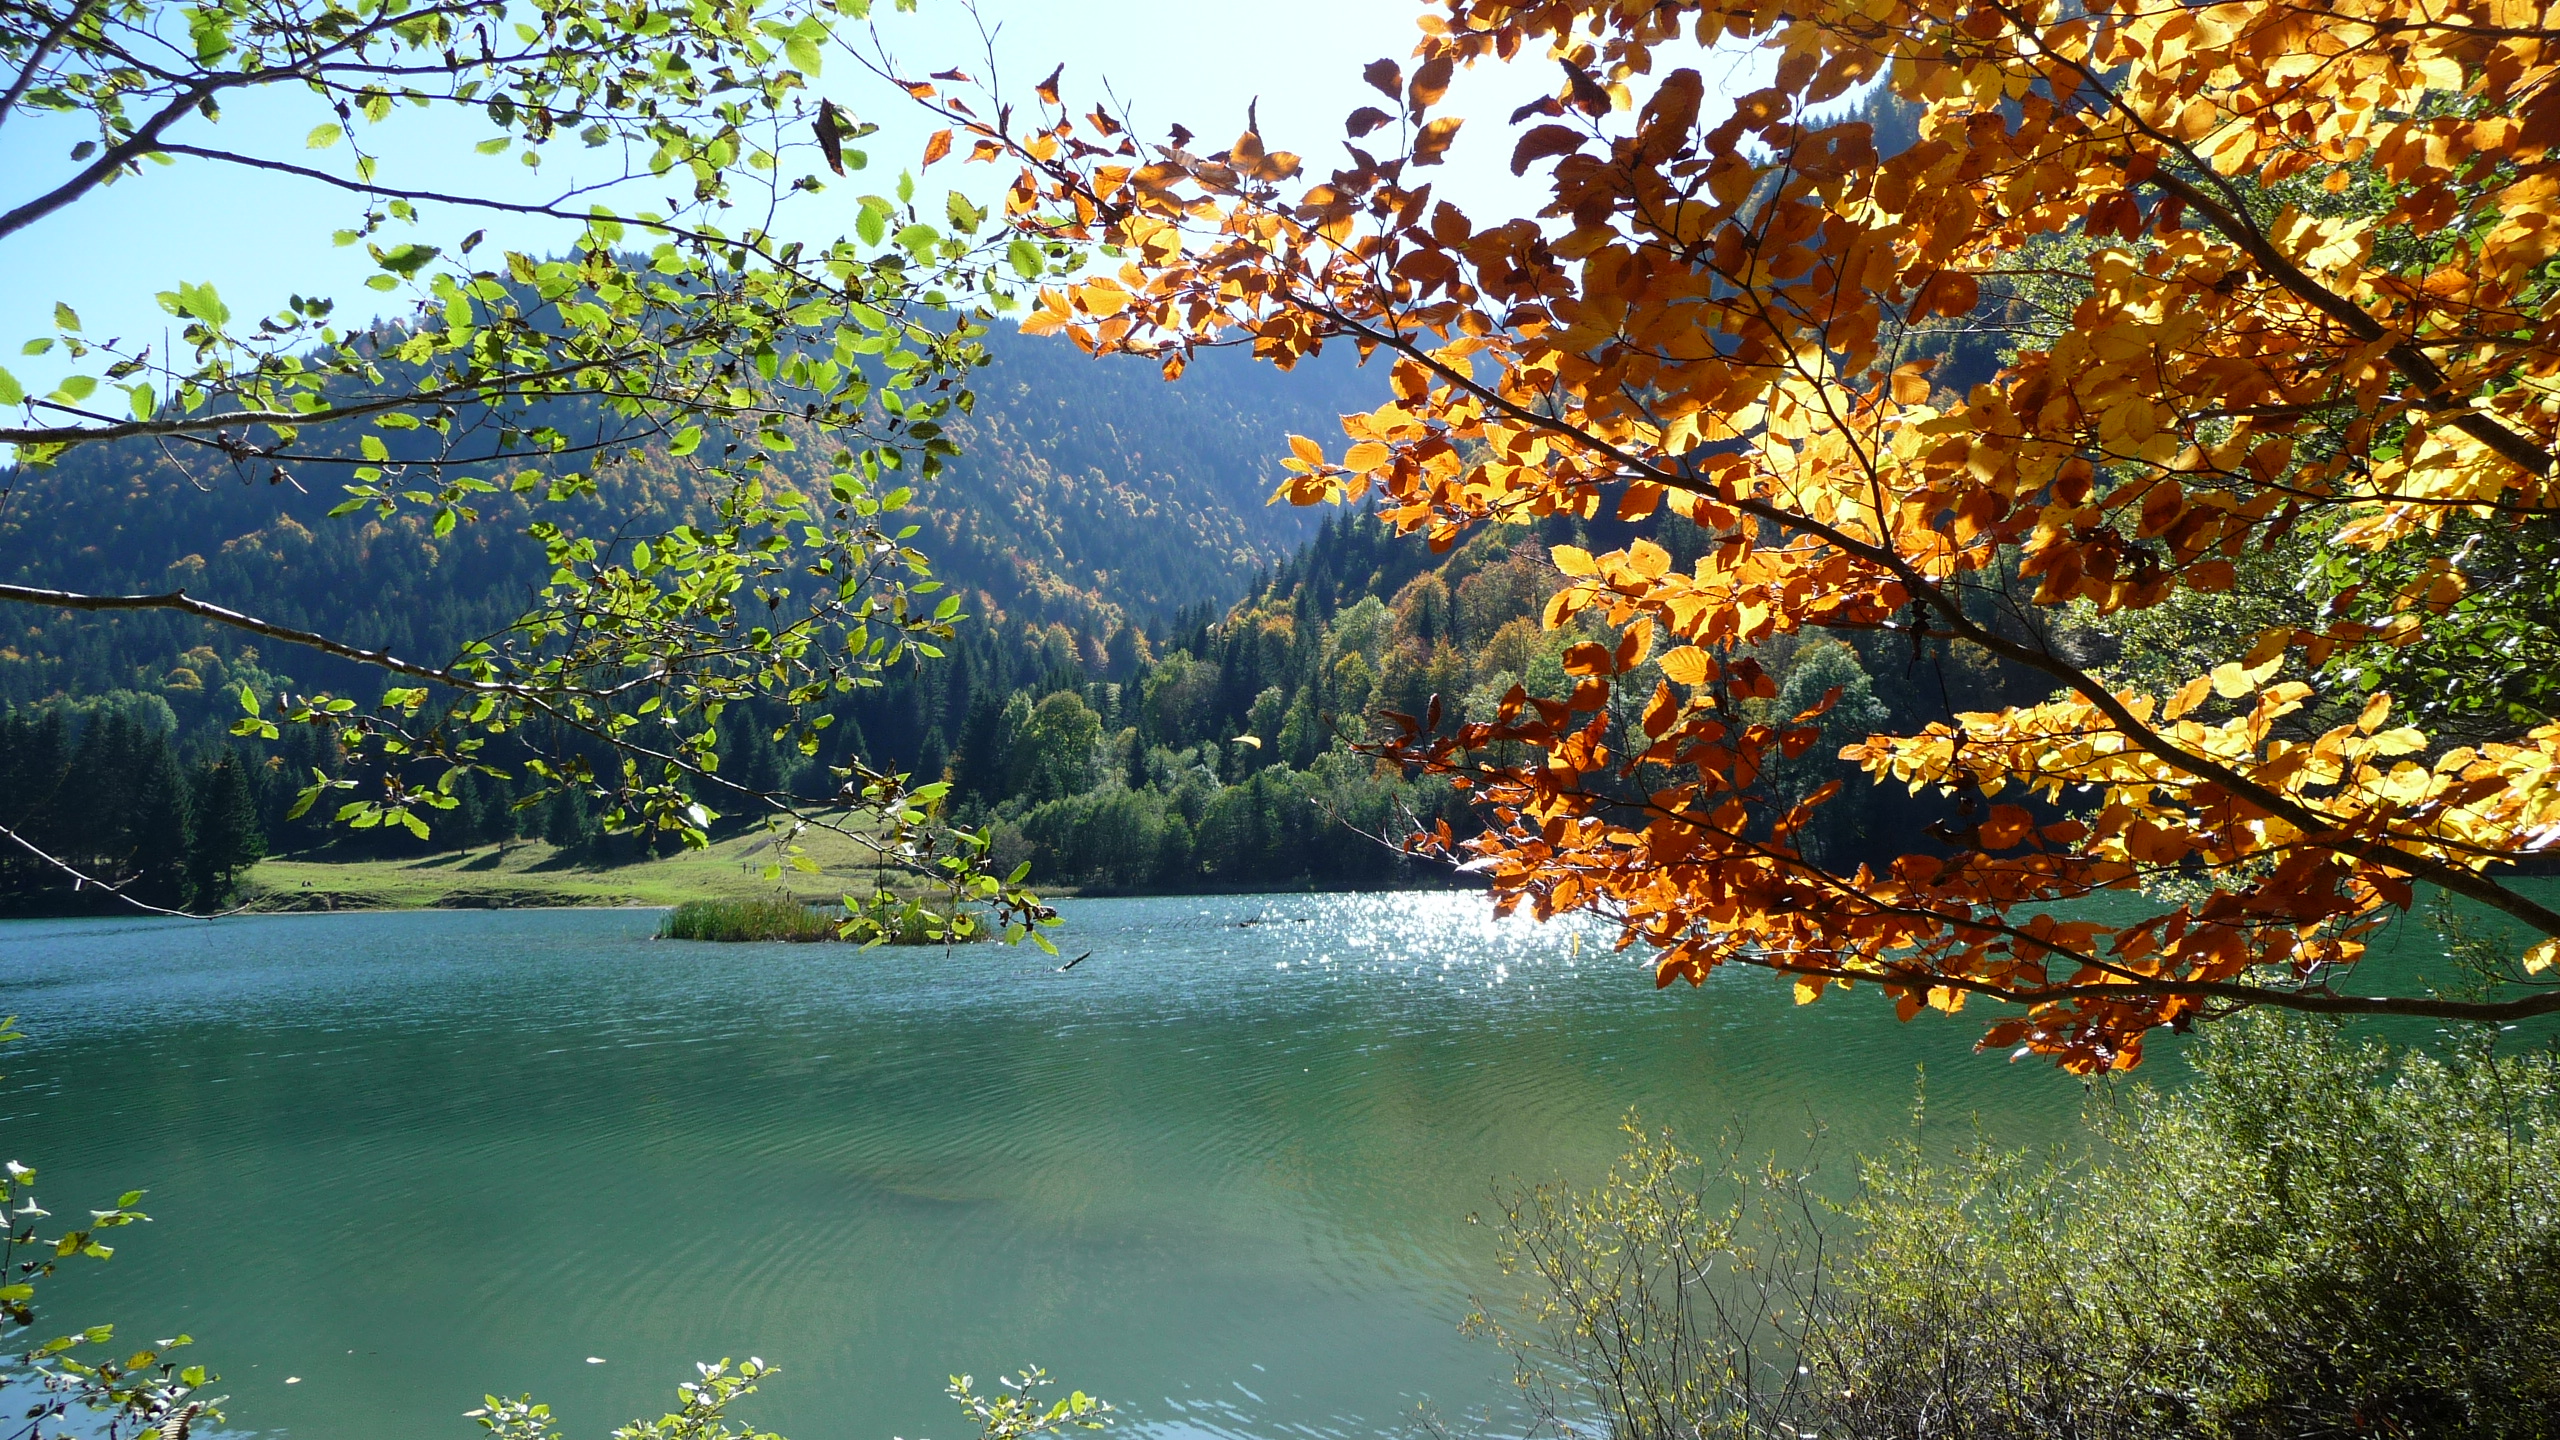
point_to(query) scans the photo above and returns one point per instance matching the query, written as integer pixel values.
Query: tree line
(107, 789)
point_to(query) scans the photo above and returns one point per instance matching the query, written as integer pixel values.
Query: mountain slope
(1088, 490)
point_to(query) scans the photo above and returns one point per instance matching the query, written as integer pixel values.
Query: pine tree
(31, 782)
(95, 834)
(158, 828)
(566, 827)
(228, 837)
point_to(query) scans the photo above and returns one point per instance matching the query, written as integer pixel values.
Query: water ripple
(1219, 1172)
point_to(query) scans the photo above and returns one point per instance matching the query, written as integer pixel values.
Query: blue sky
(259, 238)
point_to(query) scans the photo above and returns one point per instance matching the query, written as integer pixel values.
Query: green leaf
(210, 27)
(870, 225)
(77, 388)
(1025, 259)
(804, 55)
(374, 449)
(494, 144)
(408, 260)
(145, 403)
(198, 301)
(322, 137)
(65, 316)
(10, 392)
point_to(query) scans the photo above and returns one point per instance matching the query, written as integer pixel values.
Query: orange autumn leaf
(1725, 327)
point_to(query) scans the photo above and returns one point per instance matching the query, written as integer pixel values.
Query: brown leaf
(1364, 120)
(1429, 84)
(1432, 145)
(1542, 142)
(1387, 76)
(1047, 89)
(936, 145)
(1589, 95)
(831, 130)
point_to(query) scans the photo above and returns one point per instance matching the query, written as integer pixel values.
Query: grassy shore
(529, 873)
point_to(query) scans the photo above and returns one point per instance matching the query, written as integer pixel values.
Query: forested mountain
(1113, 711)
(1223, 750)
(1086, 490)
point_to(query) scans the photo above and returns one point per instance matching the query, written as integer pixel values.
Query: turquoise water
(1221, 1172)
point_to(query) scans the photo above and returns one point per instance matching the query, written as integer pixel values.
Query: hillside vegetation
(1086, 491)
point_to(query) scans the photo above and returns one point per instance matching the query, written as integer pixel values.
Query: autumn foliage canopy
(2306, 261)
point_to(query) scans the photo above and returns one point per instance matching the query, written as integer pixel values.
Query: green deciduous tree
(792, 390)
(1053, 748)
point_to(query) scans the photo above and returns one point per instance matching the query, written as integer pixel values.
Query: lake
(1221, 1172)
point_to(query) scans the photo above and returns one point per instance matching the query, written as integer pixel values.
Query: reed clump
(777, 917)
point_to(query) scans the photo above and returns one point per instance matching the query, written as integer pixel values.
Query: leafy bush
(2315, 1237)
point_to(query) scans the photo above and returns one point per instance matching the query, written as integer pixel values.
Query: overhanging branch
(183, 603)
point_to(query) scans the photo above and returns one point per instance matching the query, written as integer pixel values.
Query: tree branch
(2405, 355)
(2451, 877)
(185, 604)
(36, 58)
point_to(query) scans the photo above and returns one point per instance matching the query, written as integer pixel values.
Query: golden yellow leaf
(1688, 665)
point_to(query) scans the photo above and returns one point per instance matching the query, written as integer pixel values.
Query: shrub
(2315, 1237)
